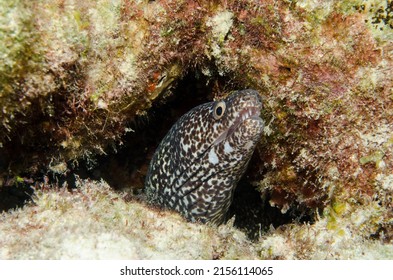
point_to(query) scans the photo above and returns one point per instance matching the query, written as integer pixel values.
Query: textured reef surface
(87, 87)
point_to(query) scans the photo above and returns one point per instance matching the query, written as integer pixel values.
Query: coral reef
(74, 76)
(93, 222)
(341, 233)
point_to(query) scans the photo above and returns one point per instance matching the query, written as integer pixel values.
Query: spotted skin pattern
(198, 164)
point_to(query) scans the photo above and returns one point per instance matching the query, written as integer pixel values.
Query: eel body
(198, 164)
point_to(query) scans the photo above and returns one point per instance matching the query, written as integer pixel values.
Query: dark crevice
(15, 196)
(126, 168)
(254, 215)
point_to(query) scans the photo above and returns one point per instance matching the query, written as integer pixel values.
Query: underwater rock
(93, 222)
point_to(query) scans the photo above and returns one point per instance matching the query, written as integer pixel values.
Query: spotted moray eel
(198, 164)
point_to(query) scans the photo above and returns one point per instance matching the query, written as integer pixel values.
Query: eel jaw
(245, 114)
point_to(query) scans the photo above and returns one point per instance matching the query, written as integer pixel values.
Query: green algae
(375, 157)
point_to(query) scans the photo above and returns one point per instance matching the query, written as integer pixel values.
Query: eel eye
(219, 110)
